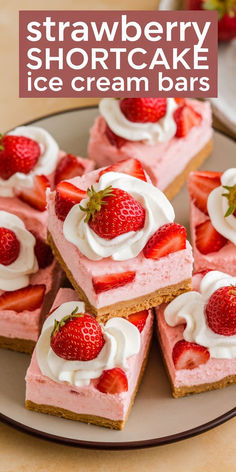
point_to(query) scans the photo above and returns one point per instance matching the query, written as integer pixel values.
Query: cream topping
(152, 133)
(189, 308)
(158, 209)
(122, 340)
(16, 275)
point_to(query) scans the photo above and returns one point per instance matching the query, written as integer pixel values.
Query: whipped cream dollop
(218, 205)
(158, 210)
(122, 340)
(189, 308)
(16, 275)
(152, 133)
(46, 164)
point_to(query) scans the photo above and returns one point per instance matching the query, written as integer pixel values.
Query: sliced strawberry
(187, 355)
(102, 283)
(167, 239)
(200, 185)
(139, 319)
(67, 195)
(113, 381)
(114, 139)
(208, 239)
(29, 298)
(42, 252)
(129, 166)
(36, 196)
(185, 117)
(68, 167)
(180, 101)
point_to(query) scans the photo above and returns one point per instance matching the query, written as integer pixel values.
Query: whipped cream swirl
(16, 275)
(218, 205)
(189, 308)
(152, 133)
(158, 209)
(122, 340)
(46, 164)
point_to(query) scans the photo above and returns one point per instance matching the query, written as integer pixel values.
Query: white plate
(156, 417)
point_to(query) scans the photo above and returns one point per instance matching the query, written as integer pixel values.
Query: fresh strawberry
(180, 101)
(112, 212)
(143, 110)
(113, 381)
(17, 154)
(29, 298)
(36, 196)
(67, 195)
(102, 283)
(167, 239)
(114, 139)
(227, 26)
(139, 319)
(185, 118)
(129, 166)
(208, 239)
(221, 311)
(187, 355)
(68, 167)
(9, 246)
(77, 337)
(42, 252)
(200, 185)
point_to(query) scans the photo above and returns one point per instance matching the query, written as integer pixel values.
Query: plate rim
(127, 445)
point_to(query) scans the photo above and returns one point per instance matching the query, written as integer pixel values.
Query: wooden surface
(214, 451)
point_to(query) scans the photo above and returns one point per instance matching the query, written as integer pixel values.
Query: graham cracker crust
(90, 419)
(16, 344)
(126, 307)
(195, 162)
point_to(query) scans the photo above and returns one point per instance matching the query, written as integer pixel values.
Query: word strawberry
(67, 195)
(201, 184)
(187, 355)
(143, 110)
(208, 239)
(102, 283)
(169, 238)
(131, 167)
(185, 118)
(42, 252)
(221, 311)
(77, 337)
(112, 212)
(139, 319)
(17, 154)
(68, 167)
(29, 298)
(114, 139)
(9, 246)
(113, 381)
(36, 196)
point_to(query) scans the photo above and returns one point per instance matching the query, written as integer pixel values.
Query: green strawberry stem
(96, 201)
(60, 324)
(224, 7)
(1, 145)
(231, 196)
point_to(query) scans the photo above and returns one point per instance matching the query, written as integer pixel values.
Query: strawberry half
(114, 139)
(42, 252)
(200, 185)
(67, 195)
(208, 239)
(167, 239)
(143, 110)
(29, 298)
(139, 319)
(36, 196)
(9, 246)
(17, 154)
(68, 167)
(188, 355)
(185, 118)
(128, 166)
(113, 381)
(102, 283)
(221, 311)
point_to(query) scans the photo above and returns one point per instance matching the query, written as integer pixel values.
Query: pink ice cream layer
(162, 161)
(87, 400)
(213, 371)
(151, 274)
(223, 260)
(27, 324)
